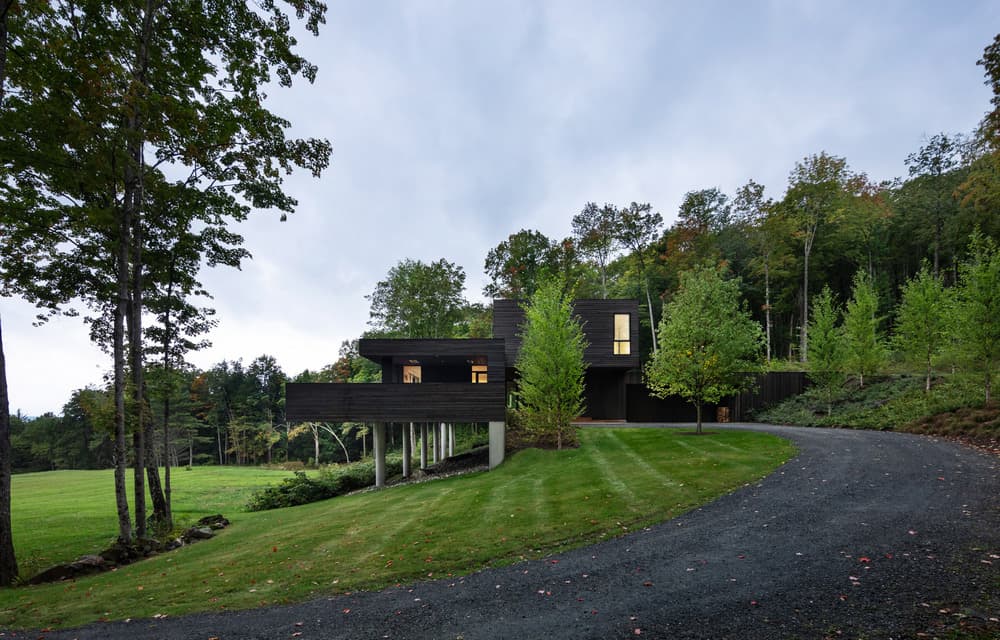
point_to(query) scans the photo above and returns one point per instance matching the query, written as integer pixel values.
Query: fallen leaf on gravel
(864, 560)
(299, 624)
(912, 532)
(638, 632)
(347, 610)
(647, 584)
(296, 634)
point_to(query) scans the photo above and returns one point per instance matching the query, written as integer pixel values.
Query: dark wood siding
(444, 360)
(770, 388)
(428, 402)
(598, 320)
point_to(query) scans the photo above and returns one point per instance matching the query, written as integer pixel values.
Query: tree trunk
(652, 325)
(8, 561)
(989, 384)
(804, 344)
(767, 306)
(315, 431)
(118, 349)
(697, 406)
(168, 508)
(927, 381)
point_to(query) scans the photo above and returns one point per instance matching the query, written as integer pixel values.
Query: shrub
(332, 481)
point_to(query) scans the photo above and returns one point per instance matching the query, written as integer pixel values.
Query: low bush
(330, 482)
(887, 403)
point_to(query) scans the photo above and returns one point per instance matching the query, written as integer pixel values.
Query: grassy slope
(538, 502)
(953, 408)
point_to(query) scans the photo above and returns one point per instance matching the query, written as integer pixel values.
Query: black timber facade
(607, 371)
(446, 392)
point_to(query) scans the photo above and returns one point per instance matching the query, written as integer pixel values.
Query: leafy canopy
(708, 341)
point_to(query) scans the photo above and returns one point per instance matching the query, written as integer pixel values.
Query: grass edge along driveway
(536, 503)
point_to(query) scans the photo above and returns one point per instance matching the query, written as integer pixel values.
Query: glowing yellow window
(622, 341)
(479, 373)
(411, 374)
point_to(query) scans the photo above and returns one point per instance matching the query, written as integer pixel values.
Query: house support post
(497, 443)
(406, 450)
(432, 433)
(443, 441)
(423, 445)
(378, 437)
(451, 439)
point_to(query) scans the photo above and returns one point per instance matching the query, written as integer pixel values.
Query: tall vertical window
(622, 342)
(411, 374)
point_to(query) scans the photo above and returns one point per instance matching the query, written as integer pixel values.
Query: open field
(537, 503)
(58, 516)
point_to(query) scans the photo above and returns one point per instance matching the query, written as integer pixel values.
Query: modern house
(438, 382)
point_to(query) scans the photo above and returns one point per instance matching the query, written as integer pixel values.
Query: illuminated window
(623, 342)
(479, 373)
(411, 374)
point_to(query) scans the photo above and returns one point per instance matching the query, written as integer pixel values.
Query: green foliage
(419, 300)
(865, 352)
(977, 309)
(826, 346)
(461, 524)
(922, 322)
(518, 265)
(331, 482)
(550, 365)
(889, 403)
(709, 344)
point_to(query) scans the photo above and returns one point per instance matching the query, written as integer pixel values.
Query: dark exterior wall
(605, 394)
(427, 402)
(770, 388)
(440, 360)
(597, 318)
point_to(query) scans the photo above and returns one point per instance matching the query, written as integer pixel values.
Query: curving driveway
(862, 534)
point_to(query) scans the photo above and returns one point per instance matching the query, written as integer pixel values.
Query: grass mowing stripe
(609, 475)
(634, 458)
(450, 526)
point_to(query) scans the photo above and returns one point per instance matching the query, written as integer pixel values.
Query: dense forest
(830, 225)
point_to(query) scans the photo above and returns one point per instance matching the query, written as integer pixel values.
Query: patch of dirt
(977, 427)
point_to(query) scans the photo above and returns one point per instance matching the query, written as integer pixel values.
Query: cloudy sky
(455, 124)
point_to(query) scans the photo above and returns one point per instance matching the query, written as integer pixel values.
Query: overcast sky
(455, 124)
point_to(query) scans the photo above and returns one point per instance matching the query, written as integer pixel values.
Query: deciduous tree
(596, 232)
(418, 300)
(709, 344)
(518, 265)
(638, 227)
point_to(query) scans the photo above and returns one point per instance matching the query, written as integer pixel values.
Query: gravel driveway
(864, 533)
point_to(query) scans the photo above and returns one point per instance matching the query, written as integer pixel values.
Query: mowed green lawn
(57, 516)
(536, 503)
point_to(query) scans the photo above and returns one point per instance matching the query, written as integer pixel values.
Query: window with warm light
(479, 374)
(622, 340)
(411, 374)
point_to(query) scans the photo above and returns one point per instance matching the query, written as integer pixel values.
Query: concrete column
(423, 445)
(406, 449)
(498, 441)
(443, 440)
(379, 451)
(451, 439)
(413, 440)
